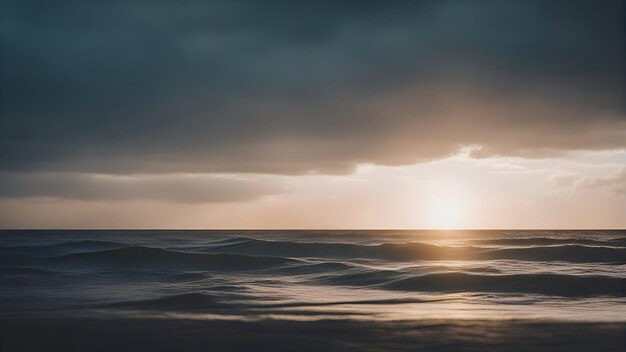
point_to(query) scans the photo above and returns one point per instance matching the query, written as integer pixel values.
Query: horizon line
(309, 229)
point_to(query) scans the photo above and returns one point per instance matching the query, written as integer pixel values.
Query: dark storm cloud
(297, 86)
(175, 188)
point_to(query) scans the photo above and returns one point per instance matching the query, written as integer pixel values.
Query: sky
(312, 114)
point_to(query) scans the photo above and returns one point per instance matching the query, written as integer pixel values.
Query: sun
(446, 212)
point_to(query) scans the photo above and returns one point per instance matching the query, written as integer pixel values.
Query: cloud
(613, 183)
(564, 179)
(291, 87)
(172, 188)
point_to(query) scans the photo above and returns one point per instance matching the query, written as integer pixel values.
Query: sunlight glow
(446, 212)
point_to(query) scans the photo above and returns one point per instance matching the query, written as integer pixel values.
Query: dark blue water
(312, 290)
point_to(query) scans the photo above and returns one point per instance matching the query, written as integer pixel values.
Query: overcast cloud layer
(300, 86)
(174, 188)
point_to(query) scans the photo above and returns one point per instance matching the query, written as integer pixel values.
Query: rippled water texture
(313, 290)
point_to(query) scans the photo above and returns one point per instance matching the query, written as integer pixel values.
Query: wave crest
(422, 251)
(147, 257)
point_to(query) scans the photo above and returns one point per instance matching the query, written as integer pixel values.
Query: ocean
(312, 290)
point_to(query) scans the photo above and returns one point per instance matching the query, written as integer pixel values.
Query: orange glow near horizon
(581, 191)
(446, 212)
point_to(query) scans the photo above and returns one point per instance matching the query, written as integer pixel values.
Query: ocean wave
(91, 244)
(529, 249)
(189, 276)
(452, 282)
(422, 251)
(288, 248)
(63, 247)
(371, 277)
(548, 284)
(389, 251)
(147, 257)
(621, 241)
(548, 241)
(313, 268)
(183, 301)
(197, 301)
(570, 253)
(20, 270)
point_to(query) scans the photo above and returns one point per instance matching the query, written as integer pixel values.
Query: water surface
(313, 290)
